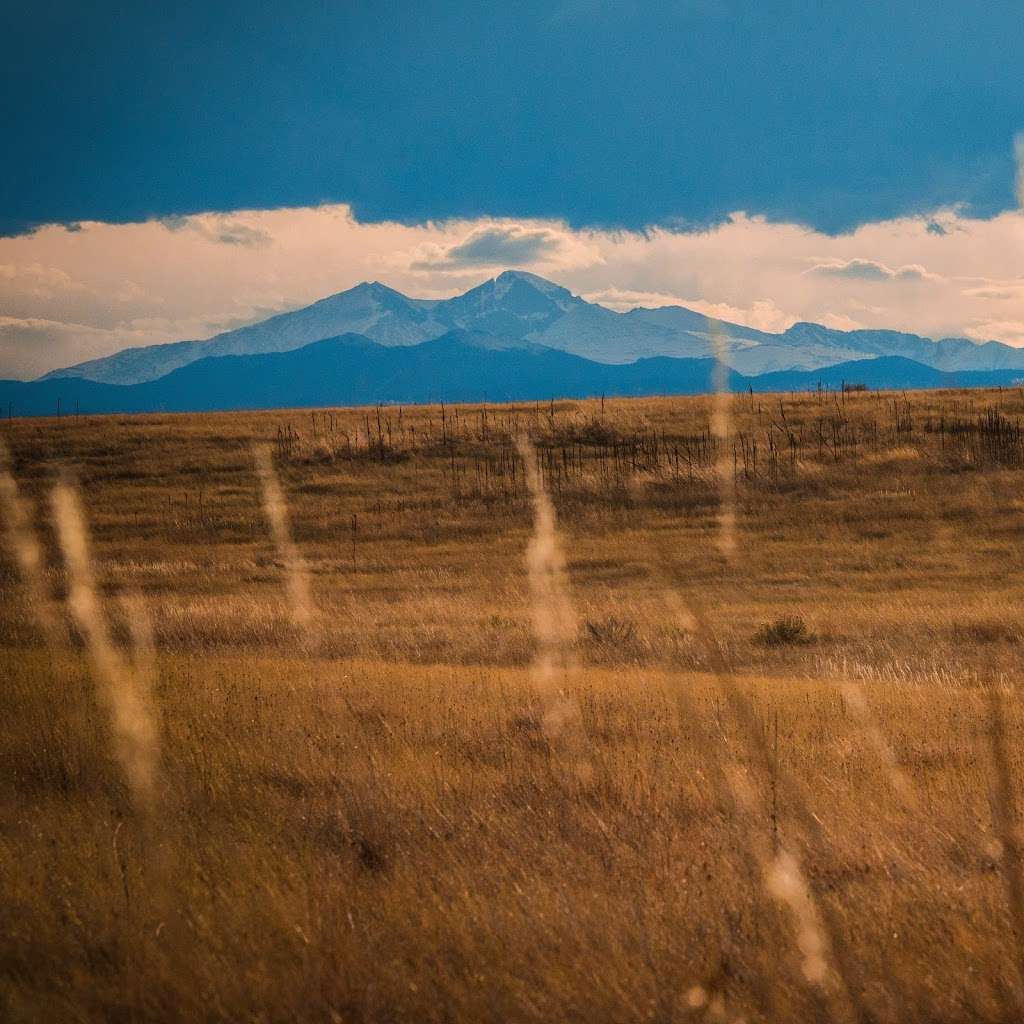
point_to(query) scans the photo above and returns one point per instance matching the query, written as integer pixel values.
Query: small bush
(787, 630)
(611, 632)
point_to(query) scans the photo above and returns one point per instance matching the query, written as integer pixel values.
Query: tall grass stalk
(819, 934)
(731, 789)
(28, 555)
(276, 510)
(554, 619)
(776, 867)
(122, 690)
(143, 644)
(721, 430)
(857, 704)
(1004, 813)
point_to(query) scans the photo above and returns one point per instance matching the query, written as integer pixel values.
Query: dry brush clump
(785, 630)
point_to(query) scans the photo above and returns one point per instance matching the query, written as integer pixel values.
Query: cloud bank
(872, 270)
(73, 294)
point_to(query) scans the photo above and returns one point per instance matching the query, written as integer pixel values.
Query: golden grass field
(368, 752)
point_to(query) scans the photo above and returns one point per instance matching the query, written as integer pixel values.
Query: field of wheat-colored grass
(583, 711)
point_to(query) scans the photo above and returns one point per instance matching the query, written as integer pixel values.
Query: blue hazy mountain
(883, 373)
(460, 366)
(518, 306)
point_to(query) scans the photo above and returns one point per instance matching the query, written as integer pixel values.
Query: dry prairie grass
(367, 821)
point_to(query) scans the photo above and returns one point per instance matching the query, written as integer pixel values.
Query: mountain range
(519, 307)
(514, 337)
(460, 366)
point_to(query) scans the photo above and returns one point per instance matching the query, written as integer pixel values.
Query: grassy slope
(366, 823)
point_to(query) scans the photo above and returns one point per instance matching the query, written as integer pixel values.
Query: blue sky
(168, 171)
(595, 112)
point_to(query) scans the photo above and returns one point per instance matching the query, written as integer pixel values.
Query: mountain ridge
(519, 306)
(460, 366)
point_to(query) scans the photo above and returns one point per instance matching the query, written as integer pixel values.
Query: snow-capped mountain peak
(520, 307)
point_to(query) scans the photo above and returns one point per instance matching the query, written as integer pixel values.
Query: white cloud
(31, 346)
(872, 270)
(840, 322)
(1010, 331)
(226, 230)
(1009, 291)
(37, 280)
(763, 314)
(502, 244)
(111, 285)
(626, 298)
